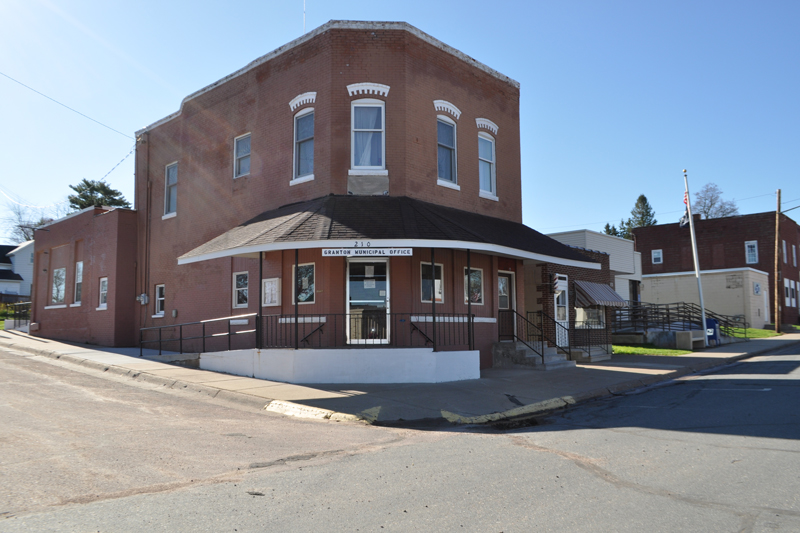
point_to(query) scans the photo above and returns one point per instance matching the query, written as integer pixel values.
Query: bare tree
(709, 203)
(20, 221)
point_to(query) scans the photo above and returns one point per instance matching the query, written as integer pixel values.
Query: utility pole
(777, 278)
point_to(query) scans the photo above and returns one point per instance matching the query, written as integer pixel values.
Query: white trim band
(368, 88)
(487, 124)
(691, 272)
(302, 99)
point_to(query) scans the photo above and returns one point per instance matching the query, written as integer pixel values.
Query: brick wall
(721, 245)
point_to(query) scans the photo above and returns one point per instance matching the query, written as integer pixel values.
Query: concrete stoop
(516, 353)
(580, 356)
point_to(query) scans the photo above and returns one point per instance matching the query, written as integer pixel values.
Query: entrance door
(368, 301)
(505, 295)
(562, 312)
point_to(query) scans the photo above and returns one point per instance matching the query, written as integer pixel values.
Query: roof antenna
(304, 17)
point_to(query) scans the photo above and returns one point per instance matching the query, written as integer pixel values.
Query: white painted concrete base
(388, 365)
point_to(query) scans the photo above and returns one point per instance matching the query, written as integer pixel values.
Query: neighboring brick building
(736, 256)
(357, 136)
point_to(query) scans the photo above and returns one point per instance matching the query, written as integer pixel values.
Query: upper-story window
(241, 153)
(171, 189)
(304, 144)
(486, 163)
(785, 259)
(794, 255)
(657, 257)
(751, 252)
(446, 139)
(368, 135)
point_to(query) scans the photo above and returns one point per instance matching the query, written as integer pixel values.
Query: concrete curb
(287, 408)
(255, 402)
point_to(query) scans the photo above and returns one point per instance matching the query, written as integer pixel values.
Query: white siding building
(19, 261)
(625, 263)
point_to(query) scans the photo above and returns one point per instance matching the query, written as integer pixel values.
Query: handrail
(203, 336)
(527, 326)
(677, 316)
(564, 330)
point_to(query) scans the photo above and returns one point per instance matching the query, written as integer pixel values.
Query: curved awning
(588, 294)
(384, 222)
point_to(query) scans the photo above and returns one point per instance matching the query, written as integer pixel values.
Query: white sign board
(367, 252)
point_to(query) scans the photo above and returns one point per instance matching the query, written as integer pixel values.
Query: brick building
(736, 257)
(358, 186)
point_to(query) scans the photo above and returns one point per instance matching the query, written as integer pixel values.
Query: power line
(64, 201)
(64, 105)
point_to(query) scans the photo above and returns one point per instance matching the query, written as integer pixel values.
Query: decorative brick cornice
(444, 105)
(368, 88)
(302, 99)
(486, 124)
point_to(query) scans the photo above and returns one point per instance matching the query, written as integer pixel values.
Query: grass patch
(753, 333)
(646, 349)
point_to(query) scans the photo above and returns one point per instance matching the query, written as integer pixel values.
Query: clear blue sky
(617, 96)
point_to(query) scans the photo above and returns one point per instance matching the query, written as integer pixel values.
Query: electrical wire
(64, 105)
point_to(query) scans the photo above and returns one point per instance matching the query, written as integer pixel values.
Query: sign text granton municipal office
(367, 252)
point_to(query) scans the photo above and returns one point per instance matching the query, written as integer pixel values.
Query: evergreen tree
(642, 214)
(611, 230)
(95, 193)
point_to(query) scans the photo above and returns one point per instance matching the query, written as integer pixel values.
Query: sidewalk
(501, 393)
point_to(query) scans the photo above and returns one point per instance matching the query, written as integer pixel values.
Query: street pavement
(500, 393)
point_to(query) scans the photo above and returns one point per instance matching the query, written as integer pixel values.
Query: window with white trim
(271, 292)
(446, 142)
(590, 317)
(473, 286)
(751, 252)
(794, 255)
(304, 143)
(57, 294)
(241, 156)
(785, 258)
(794, 294)
(160, 300)
(368, 135)
(103, 294)
(786, 293)
(171, 189)
(78, 282)
(657, 257)
(304, 282)
(486, 163)
(425, 279)
(240, 283)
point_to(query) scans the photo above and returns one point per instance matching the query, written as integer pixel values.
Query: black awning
(588, 294)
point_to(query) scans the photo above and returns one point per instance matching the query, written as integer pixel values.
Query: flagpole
(696, 263)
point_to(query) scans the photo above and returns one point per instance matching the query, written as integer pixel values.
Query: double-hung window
(240, 283)
(785, 259)
(794, 255)
(429, 282)
(304, 144)
(446, 140)
(486, 164)
(751, 252)
(171, 189)
(657, 257)
(78, 282)
(368, 136)
(103, 299)
(57, 293)
(241, 153)
(161, 298)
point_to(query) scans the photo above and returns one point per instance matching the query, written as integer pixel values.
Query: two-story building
(737, 263)
(358, 187)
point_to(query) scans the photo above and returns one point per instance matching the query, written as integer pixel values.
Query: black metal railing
(19, 314)
(554, 331)
(679, 316)
(217, 334)
(512, 326)
(367, 329)
(590, 336)
(343, 330)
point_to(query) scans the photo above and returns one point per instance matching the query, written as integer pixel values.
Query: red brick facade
(200, 139)
(721, 245)
(105, 242)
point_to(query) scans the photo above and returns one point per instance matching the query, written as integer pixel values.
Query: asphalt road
(717, 452)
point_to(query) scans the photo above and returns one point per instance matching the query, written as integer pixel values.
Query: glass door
(368, 301)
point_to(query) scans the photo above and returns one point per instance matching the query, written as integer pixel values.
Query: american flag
(686, 197)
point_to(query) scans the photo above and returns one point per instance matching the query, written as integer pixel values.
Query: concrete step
(555, 365)
(583, 357)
